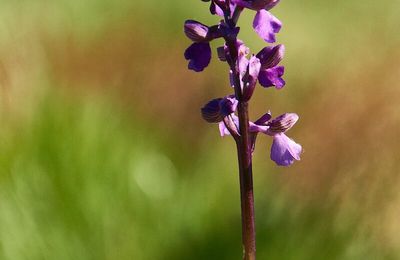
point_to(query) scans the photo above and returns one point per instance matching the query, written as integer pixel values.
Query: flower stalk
(246, 184)
(244, 147)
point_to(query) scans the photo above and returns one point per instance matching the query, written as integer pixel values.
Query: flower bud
(271, 56)
(282, 123)
(196, 31)
(250, 79)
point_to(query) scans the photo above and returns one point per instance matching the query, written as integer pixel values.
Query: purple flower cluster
(245, 71)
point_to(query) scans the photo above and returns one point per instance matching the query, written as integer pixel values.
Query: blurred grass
(103, 154)
(83, 182)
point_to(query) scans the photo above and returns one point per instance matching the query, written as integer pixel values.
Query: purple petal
(231, 81)
(219, 11)
(215, 9)
(211, 112)
(223, 130)
(264, 118)
(254, 67)
(243, 62)
(228, 105)
(266, 25)
(196, 31)
(199, 56)
(270, 56)
(254, 128)
(282, 123)
(215, 110)
(284, 151)
(272, 77)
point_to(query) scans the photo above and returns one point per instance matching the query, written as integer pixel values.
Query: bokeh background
(103, 153)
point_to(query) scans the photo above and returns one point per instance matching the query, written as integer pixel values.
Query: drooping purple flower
(272, 77)
(266, 25)
(199, 56)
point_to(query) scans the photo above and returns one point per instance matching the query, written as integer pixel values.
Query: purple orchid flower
(199, 53)
(271, 74)
(284, 151)
(265, 24)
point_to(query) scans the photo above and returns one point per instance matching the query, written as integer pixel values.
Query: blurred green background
(103, 153)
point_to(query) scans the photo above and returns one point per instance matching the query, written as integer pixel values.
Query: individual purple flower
(199, 56)
(271, 74)
(199, 53)
(284, 151)
(265, 24)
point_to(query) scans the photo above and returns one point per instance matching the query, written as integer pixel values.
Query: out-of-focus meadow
(103, 153)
